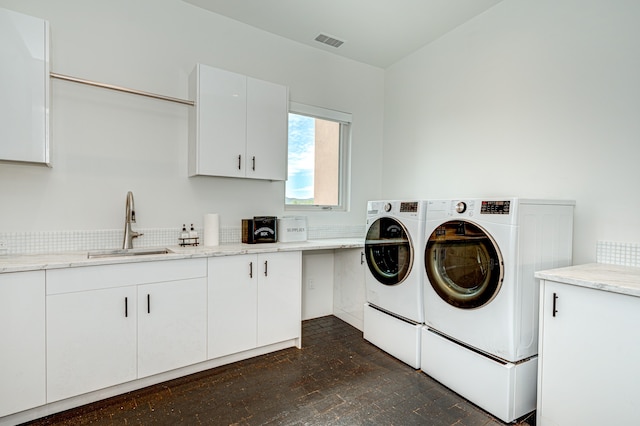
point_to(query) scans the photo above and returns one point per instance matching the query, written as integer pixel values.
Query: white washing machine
(394, 312)
(481, 298)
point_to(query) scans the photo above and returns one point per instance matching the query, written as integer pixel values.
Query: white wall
(317, 283)
(106, 143)
(532, 99)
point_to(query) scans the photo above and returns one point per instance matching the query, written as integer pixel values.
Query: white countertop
(600, 276)
(23, 263)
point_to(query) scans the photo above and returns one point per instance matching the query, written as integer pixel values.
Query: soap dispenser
(184, 234)
(193, 233)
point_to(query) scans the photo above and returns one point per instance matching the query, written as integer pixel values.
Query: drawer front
(119, 275)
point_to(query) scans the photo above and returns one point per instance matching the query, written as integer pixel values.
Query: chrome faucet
(130, 217)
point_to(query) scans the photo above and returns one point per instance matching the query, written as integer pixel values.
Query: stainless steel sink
(127, 252)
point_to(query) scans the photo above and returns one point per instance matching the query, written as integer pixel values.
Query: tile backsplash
(616, 253)
(16, 243)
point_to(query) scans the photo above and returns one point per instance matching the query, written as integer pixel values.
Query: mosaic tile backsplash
(615, 253)
(46, 242)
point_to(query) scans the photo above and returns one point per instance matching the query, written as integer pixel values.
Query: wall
(317, 283)
(106, 143)
(531, 99)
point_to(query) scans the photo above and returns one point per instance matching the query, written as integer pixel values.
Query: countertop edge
(26, 263)
(600, 276)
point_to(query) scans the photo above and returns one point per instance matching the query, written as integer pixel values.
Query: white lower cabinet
(279, 297)
(91, 340)
(172, 325)
(110, 324)
(71, 331)
(254, 300)
(22, 336)
(588, 356)
(233, 304)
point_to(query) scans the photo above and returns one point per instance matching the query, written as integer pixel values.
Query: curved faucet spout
(130, 217)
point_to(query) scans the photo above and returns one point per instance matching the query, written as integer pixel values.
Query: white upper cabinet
(238, 127)
(24, 85)
(267, 133)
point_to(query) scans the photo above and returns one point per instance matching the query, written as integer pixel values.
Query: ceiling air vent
(333, 42)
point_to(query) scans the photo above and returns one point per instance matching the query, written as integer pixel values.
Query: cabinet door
(172, 325)
(232, 304)
(91, 341)
(22, 336)
(218, 146)
(267, 134)
(24, 85)
(588, 367)
(279, 297)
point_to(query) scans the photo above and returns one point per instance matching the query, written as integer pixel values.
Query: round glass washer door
(388, 251)
(463, 264)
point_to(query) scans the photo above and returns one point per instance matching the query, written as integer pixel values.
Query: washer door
(389, 251)
(463, 264)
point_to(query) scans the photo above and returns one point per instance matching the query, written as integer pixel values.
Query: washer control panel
(409, 207)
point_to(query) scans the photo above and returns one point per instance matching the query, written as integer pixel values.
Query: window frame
(344, 166)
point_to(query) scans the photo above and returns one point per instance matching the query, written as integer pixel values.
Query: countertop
(21, 263)
(599, 276)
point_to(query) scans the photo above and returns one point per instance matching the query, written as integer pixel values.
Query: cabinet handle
(148, 303)
(362, 258)
(126, 308)
(555, 298)
(265, 268)
(250, 269)
(253, 163)
(239, 162)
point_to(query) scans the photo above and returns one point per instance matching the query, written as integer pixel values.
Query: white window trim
(345, 155)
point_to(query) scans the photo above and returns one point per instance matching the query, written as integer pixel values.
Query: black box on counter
(260, 229)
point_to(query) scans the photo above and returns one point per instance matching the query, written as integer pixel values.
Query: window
(318, 160)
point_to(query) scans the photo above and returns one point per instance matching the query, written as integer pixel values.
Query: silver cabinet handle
(239, 162)
(265, 268)
(250, 269)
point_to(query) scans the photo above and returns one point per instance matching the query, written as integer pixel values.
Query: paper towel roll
(211, 229)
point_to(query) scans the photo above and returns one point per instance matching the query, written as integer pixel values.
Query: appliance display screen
(406, 207)
(495, 207)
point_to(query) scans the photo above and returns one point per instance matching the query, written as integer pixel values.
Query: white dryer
(481, 297)
(394, 312)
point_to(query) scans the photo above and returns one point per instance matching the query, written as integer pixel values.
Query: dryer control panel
(495, 207)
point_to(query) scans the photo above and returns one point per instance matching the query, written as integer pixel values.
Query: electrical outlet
(311, 284)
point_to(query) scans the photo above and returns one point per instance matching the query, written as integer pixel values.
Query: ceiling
(375, 32)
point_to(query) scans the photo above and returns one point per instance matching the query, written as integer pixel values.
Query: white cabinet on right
(254, 300)
(589, 349)
(238, 127)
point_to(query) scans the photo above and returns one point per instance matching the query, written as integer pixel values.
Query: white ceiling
(375, 32)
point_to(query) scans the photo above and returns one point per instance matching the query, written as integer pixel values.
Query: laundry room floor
(337, 378)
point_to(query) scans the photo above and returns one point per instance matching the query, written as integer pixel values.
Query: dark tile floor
(337, 378)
